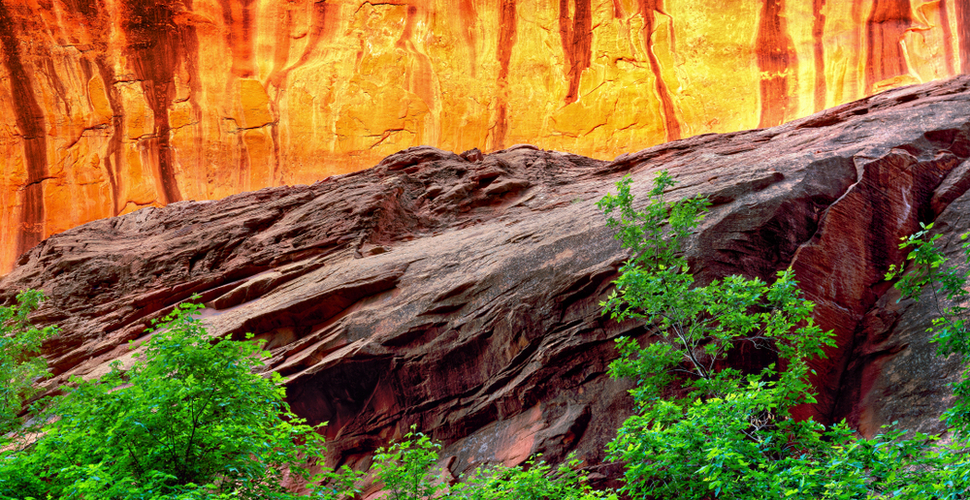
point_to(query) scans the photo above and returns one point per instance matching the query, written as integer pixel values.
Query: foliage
(21, 365)
(703, 429)
(190, 419)
(537, 480)
(408, 471)
(951, 330)
(406, 468)
(696, 327)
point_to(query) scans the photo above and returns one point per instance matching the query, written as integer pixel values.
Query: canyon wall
(460, 293)
(107, 106)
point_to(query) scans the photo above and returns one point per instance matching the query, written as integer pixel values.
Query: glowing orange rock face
(107, 106)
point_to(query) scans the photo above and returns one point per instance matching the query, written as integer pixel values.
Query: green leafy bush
(407, 468)
(703, 429)
(190, 419)
(536, 480)
(21, 365)
(407, 471)
(950, 329)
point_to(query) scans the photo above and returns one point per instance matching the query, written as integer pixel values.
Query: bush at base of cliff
(951, 329)
(407, 471)
(20, 363)
(703, 429)
(190, 419)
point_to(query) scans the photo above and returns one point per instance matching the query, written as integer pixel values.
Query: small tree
(534, 480)
(408, 471)
(21, 365)
(951, 331)
(704, 429)
(190, 419)
(407, 468)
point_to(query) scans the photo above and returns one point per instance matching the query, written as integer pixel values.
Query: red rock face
(109, 106)
(459, 293)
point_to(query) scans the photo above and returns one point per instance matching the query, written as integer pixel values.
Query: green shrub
(950, 329)
(407, 468)
(407, 471)
(21, 365)
(536, 480)
(190, 419)
(703, 429)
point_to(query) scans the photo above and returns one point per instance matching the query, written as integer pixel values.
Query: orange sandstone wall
(107, 106)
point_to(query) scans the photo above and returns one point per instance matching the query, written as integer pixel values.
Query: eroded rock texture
(459, 293)
(108, 106)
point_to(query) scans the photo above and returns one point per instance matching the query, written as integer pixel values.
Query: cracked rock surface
(459, 293)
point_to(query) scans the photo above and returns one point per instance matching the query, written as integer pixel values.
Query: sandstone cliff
(108, 106)
(459, 293)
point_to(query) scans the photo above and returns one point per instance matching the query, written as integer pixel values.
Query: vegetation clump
(948, 287)
(408, 470)
(704, 429)
(21, 365)
(189, 419)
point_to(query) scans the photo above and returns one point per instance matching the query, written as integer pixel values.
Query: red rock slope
(459, 293)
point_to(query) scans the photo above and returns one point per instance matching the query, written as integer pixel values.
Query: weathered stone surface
(459, 293)
(108, 106)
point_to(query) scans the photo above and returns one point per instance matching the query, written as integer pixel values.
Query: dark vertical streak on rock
(245, 176)
(190, 45)
(506, 40)
(97, 22)
(947, 38)
(321, 28)
(276, 82)
(885, 27)
(565, 31)
(421, 77)
(86, 72)
(277, 175)
(153, 49)
(818, 30)
(87, 8)
(243, 61)
(277, 78)
(420, 74)
(30, 120)
(239, 35)
(618, 10)
(468, 16)
(113, 161)
(648, 10)
(282, 43)
(778, 64)
(849, 87)
(60, 92)
(576, 35)
(408, 30)
(962, 11)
